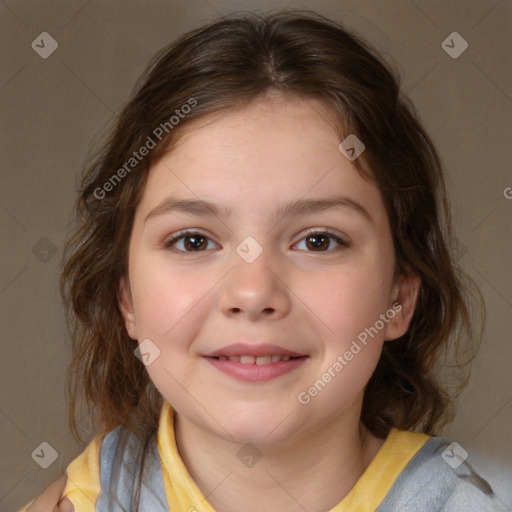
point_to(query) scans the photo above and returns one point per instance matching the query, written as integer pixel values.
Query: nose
(256, 291)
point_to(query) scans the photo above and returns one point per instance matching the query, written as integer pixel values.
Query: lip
(256, 372)
(243, 349)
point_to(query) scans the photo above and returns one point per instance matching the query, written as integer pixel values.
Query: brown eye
(317, 242)
(193, 241)
(322, 242)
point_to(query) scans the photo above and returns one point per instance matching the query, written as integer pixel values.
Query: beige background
(53, 109)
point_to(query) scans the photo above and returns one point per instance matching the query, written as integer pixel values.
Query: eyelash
(186, 233)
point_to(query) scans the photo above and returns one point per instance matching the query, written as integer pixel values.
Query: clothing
(408, 474)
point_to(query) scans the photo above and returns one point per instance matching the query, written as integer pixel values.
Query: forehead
(295, 125)
(274, 149)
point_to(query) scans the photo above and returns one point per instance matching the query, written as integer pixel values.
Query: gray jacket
(427, 484)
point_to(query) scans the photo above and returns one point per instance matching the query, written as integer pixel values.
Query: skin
(190, 303)
(253, 160)
(49, 500)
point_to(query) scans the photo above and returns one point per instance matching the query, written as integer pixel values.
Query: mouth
(270, 359)
(255, 363)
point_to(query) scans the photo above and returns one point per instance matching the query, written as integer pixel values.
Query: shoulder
(82, 485)
(51, 500)
(131, 472)
(440, 478)
(65, 506)
(109, 460)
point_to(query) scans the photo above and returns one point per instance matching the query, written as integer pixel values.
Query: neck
(313, 472)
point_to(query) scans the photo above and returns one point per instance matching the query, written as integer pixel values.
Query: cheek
(341, 382)
(349, 299)
(170, 308)
(166, 300)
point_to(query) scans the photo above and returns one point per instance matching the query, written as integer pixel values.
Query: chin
(254, 434)
(261, 428)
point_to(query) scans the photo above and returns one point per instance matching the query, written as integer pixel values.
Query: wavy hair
(225, 65)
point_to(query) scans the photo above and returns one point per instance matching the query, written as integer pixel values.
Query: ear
(403, 299)
(126, 307)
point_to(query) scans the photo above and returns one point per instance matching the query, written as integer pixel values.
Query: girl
(260, 289)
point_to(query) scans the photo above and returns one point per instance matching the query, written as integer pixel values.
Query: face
(260, 310)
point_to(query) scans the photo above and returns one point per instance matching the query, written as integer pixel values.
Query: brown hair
(222, 66)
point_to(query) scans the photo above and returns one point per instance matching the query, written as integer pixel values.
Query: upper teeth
(255, 360)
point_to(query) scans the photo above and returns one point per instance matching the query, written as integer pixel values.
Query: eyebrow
(202, 208)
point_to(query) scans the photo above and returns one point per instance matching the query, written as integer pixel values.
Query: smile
(256, 369)
(255, 360)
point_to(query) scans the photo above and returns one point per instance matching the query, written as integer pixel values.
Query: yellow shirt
(83, 484)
